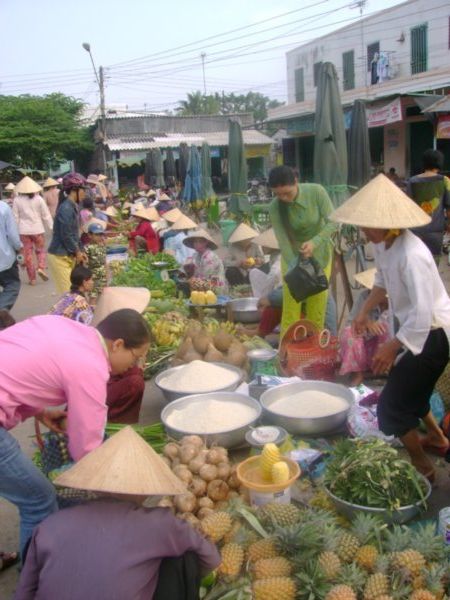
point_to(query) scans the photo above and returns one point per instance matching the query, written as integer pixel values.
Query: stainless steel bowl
(306, 426)
(401, 515)
(170, 394)
(245, 310)
(228, 438)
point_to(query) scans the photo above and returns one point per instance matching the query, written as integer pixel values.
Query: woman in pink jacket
(31, 212)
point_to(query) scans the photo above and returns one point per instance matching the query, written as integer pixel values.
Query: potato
(217, 490)
(208, 472)
(193, 440)
(204, 512)
(183, 473)
(186, 453)
(223, 470)
(197, 486)
(171, 450)
(185, 503)
(205, 502)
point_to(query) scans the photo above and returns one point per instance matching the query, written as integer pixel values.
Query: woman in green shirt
(299, 215)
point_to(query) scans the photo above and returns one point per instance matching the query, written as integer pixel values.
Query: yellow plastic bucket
(261, 492)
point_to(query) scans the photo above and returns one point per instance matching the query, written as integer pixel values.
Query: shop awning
(440, 106)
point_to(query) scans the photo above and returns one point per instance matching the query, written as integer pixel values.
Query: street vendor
(205, 263)
(48, 361)
(144, 237)
(244, 254)
(114, 547)
(299, 215)
(418, 353)
(174, 237)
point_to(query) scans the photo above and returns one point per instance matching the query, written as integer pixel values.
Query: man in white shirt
(417, 355)
(10, 246)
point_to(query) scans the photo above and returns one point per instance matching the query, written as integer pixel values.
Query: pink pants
(38, 243)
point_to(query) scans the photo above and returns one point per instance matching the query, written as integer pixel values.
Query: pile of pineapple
(281, 552)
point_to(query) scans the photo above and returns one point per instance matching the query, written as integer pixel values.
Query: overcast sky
(151, 48)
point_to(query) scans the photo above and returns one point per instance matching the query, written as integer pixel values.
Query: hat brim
(189, 241)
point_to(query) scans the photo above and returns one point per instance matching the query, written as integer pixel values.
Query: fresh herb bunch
(139, 273)
(370, 473)
(152, 434)
(163, 257)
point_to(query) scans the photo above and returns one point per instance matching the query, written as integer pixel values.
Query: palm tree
(198, 104)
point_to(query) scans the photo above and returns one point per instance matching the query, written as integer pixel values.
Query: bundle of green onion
(154, 434)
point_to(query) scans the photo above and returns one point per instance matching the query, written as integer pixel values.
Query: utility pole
(100, 77)
(361, 5)
(203, 56)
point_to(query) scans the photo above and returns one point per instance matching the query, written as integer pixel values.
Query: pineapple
(341, 592)
(435, 575)
(232, 560)
(272, 567)
(216, 525)
(353, 576)
(279, 514)
(269, 456)
(274, 588)
(233, 533)
(422, 595)
(366, 529)
(347, 547)
(366, 557)
(264, 548)
(280, 472)
(425, 540)
(377, 585)
(409, 562)
(330, 564)
(396, 539)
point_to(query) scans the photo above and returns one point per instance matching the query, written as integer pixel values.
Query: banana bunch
(212, 326)
(169, 331)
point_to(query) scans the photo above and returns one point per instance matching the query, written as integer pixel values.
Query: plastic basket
(227, 226)
(308, 352)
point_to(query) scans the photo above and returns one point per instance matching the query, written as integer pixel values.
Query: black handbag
(306, 278)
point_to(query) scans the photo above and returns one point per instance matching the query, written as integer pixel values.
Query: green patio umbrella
(208, 194)
(183, 162)
(157, 161)
(149, 170)
(237, 171)
(358, 147)
(170, 172)
(330, 145)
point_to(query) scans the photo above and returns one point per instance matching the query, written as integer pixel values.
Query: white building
(397, 60)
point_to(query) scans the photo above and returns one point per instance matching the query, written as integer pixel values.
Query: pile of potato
(207, 473)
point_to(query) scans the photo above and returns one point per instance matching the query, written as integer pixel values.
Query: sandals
(8, 559)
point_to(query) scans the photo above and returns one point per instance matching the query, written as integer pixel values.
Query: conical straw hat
(110, 211)
(142, 193)
(102, 177)
(116, 298)
(199, 233)
(150, 214)
(27, 186)
(124, 464)
(381, 205)
(50, 182)
(94, 221)
(150, 193)
(366, 278)
(172, 215)
(127, 205)
(184, 222)
(10, 187)
(267, 239)
(163, 196)
(241, 233)
(92, 178)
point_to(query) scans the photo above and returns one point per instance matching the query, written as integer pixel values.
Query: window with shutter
(299, 85)
(348, 67)
(419, 49)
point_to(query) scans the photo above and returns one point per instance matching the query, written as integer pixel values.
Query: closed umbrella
(358, 147)
(149, 170)
(170, 172)
(183, 162)
(159, 167)
(237, 170)
(192, 190)
(208, 193)
(330, 145)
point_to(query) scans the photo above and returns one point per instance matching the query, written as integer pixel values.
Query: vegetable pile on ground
(371, 473)
(208, 474)
(281, 552)
(168, 329)
(138, 272)
(199, 343)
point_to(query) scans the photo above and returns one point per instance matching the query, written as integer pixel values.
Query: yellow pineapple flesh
(347, 547)
(232, 560)
(264, 548)
(269, 456)
(330, 564)
(376, 585)
(341, 592)
(216, 525)
(274, 588)
(366, 557)
(277, 566)
(280, 472)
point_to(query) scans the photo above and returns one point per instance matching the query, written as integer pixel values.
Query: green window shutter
(316, 68)
(348, 67)
(299, 85)
(419, 49)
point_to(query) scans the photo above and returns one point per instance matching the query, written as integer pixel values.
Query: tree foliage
(38, 130)
(225, 104)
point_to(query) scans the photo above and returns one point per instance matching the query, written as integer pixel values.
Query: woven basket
(308, 352)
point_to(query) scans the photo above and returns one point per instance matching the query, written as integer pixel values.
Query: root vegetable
(197, 463)
(183, 473)
(189, 518)
(217, 490)
(233, 494)
(201, 342)
(175, 462)
(223, 470)
(208, 472)
(215, 456)
(205, 502)
(184, 347)
(223, 340)
(186, 453)
(171, 450)
(213, 355)
(204, 512)
(232, 480)
(193, 440)
(221, 505)
(197, 486)
(185, 503)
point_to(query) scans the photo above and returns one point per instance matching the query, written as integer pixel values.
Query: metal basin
(245, 310)
(230, 438)
(303, 425)
(401, 515)
(170, 394)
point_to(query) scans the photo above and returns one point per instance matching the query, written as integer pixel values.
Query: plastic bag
(306, 278)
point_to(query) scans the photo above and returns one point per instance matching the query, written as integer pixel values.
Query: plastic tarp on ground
(358, 147)
(330, 144)
(237, 170)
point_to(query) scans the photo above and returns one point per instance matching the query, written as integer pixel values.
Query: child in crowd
(96, 254)
(74, 304)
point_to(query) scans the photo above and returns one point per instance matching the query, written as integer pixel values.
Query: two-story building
(398, 61)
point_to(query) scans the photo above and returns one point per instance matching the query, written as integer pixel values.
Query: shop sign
(443, 128)
(383, 115)
(257, 150)
(300, 125)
